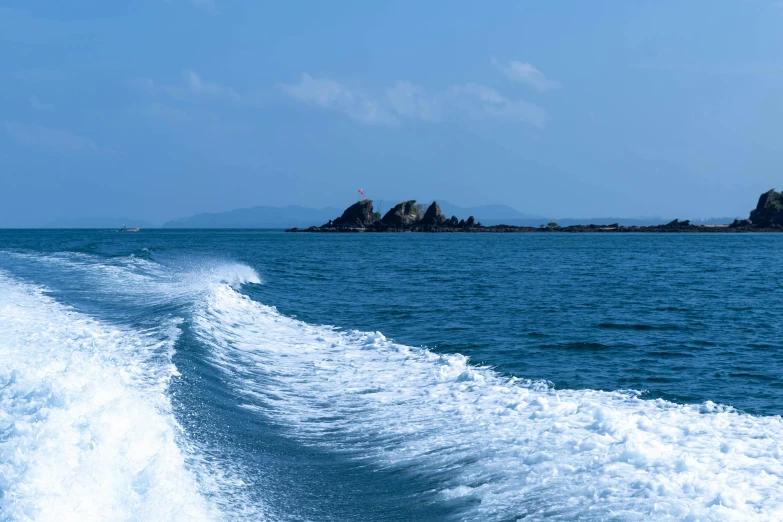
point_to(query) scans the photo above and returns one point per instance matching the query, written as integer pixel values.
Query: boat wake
(501, 448)
(87, 430)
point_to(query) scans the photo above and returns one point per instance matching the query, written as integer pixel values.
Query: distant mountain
(504, 215)
(485, 212)
(98, 222)
(259, 217)
(715, 221)
(626, 222)
(297, 216)
(302, 217)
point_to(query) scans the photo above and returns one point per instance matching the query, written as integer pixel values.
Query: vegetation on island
(769, 210)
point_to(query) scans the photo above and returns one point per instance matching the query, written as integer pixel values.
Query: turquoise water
(262, 375)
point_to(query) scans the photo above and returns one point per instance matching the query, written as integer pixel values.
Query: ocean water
(258, 375)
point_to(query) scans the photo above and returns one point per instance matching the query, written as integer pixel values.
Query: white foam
(233, 274)
(508, 448)
(133, 277)
(86, 431)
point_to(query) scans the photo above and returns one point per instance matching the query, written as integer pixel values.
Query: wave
(131, 277)
(86, 430)
(500, 448)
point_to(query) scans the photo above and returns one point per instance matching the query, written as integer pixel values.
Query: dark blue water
(299, 422)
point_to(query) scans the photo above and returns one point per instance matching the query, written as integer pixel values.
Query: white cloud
(147, 85)
(414, 102)
(525, 73)
(481, 102)
(329, 94)
(51, 139)
(38, 104)
(198, 86)
(193, 88)
(407, 101)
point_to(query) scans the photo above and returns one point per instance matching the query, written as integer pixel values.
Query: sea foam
(498, 448)
(86, 431)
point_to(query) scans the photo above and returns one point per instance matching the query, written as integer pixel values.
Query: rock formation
(403, 214)
(409, 216)
(768, 211)
(358, 215)
(433, 217)
(673, 224)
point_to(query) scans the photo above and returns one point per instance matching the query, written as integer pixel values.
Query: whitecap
(507, 448)
(86, 430)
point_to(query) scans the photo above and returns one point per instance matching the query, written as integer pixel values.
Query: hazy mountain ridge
(98, 222)
(297, 216)
(483, 212)
(627, 222)
(256, 217)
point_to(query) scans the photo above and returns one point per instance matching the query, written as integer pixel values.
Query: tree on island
(769, 210)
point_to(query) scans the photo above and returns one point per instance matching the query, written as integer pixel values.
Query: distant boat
(126, 229)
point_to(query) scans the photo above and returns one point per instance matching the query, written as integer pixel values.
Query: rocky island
(409, 216)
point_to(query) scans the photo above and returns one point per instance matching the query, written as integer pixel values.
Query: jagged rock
(769, 210)
(410, 217)
(358, 215)
(433, 217)
(403, 214)
(766, 199)
(742, 223)
(677, 224)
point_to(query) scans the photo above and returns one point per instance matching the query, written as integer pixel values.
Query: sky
(159, 109)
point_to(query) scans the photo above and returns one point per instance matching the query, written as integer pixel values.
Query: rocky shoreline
(409, 216)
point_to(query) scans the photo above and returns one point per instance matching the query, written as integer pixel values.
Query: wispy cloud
(147, 85)
(523, 72)
(192, 88)
(329, 94)
(408, 101)
(481, 102)
(200, 87)
(54, 140)
(411, 101)
(38, 104)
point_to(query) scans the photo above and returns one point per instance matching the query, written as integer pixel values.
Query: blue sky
(158, 109)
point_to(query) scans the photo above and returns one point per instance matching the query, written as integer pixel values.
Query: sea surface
(258, 375)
